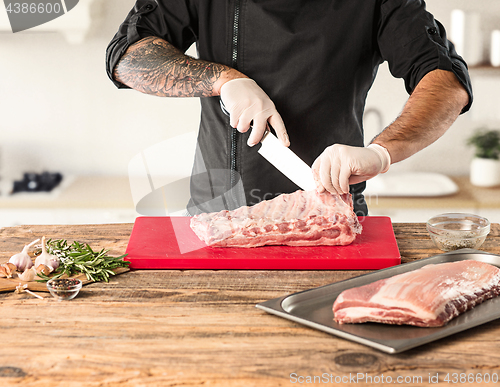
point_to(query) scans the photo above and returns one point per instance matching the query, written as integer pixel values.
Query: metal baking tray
(314, 308)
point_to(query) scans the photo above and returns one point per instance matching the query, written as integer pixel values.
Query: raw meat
(428, 297)
(302, 218)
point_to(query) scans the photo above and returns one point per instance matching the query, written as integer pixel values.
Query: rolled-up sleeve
(171, 20)
(414, 43)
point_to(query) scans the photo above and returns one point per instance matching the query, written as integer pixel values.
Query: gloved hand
(341, 165)
(250, 107)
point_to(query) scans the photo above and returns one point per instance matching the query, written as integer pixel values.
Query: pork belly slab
(302, 218)
(428, 297)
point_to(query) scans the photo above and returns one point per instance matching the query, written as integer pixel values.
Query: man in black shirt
(303, 67)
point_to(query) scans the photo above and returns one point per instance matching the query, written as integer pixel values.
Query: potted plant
(485, 166)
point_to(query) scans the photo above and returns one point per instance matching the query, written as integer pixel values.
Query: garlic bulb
(22, 260)
(28, 275)
(47, 259)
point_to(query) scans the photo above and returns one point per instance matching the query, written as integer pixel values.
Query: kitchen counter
(77, 200)
(76, 192)
(108, 199)
(192, 328)
(469, 198)
(114, 191)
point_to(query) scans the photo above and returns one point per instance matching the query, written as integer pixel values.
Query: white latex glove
(250, 107)
(341, 165)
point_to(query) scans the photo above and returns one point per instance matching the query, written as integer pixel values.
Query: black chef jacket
(316, 59)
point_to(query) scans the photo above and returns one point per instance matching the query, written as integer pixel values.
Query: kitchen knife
(283, 159)
(287, 162)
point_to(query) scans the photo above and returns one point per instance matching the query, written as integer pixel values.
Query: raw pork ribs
(302, 218)
(428, 297)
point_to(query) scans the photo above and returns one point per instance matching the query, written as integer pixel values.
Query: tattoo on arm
(154, 66)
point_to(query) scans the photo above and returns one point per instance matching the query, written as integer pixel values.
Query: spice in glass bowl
(453, 231)
(64, 288)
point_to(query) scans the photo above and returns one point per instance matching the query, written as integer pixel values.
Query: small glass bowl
(64, 289)
(455, 231)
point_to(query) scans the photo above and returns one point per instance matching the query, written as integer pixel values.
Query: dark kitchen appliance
(37, 182)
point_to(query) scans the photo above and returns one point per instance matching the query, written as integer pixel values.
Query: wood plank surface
(201, 328)
(10, 284)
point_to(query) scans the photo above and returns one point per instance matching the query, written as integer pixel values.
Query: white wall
(59, 111)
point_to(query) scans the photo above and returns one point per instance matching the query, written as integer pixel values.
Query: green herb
(79, 258)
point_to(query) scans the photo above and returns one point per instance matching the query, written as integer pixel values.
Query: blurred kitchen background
(60, 115)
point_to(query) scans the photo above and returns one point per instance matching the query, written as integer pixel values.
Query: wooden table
(201, 328)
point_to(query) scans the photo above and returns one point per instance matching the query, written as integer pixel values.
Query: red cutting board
(169, 243)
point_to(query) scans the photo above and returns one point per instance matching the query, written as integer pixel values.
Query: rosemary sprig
(79, 258)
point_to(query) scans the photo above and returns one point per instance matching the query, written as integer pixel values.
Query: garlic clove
(6, 270)
(44, 269)
(28, 275)
(12, 267)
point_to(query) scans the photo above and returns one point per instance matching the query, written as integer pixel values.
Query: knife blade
(283, 159)
(287, 162)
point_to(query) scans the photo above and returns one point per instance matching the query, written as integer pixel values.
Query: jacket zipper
(234, 136)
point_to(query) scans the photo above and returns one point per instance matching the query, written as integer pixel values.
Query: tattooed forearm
(154, 66)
